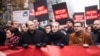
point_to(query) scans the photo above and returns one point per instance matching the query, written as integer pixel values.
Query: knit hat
(69, 19)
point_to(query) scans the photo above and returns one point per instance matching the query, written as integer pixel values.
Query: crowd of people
(30, 33)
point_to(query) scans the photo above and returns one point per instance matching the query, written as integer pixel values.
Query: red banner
(53, 51)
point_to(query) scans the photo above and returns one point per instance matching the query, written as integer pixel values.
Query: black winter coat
(33, 38)
(57, 38)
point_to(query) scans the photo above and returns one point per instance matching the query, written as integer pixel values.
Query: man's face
(96, 25)
(31, 26)
(15, 24)
(9, 23)
(47, 29)
(55, 27)
(69, 24)
(77, 27)
(36, 23)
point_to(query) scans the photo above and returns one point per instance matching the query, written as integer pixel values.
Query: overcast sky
(78, 5)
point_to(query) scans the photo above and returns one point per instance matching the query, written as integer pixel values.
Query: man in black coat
(69, 26)
(96, 32)
(15, 24)
(98, 38)
(56, 37)
(36, 22)
(33, 36)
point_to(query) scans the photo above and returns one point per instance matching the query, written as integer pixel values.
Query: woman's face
(9, 34)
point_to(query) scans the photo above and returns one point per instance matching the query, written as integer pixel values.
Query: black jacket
(18, 33)
(96, 36)
(41, 29)
(57, 38)
(33, 38)
(2, 37)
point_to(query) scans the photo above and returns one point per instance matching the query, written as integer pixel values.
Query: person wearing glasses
(80, 37)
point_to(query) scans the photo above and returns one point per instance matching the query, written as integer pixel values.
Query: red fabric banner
(53, 51)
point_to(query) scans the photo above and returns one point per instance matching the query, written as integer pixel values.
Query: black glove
(38, 45)
(61, 45)
(44, 44)
(25, 46)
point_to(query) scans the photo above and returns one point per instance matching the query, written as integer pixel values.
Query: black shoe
(44, 44)
(61, 45)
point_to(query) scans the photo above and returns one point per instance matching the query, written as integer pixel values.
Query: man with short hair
(69, 26)
(96, 32)
(36, 22)
(15, 24)
(79, 37)
(33, 36)
(47, 28)
(56, 37)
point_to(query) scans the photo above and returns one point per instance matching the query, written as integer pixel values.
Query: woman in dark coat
(11, 39)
